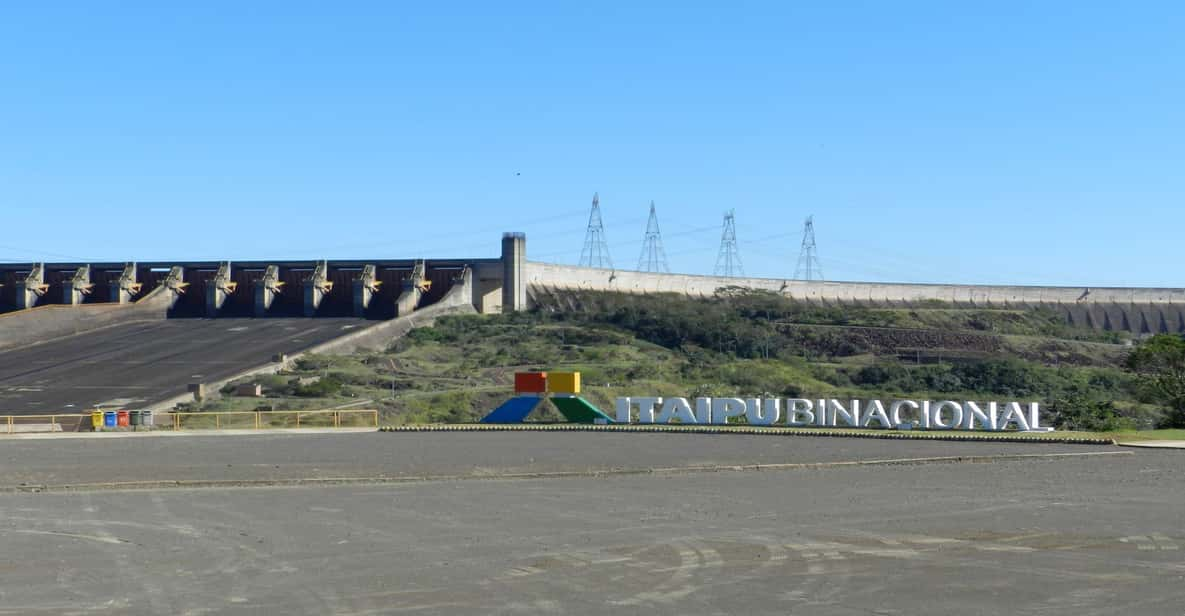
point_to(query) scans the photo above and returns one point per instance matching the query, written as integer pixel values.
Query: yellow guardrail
(226, 420)
(12, 423)
(264, 420)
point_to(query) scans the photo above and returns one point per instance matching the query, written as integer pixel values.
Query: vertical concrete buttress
(316, 287)
(366, 284)
(218, 289)
(413, 289)
(29, 290)
(514, 284)
(123, 290)
(77, 287)
(267, 289)
(175, 284)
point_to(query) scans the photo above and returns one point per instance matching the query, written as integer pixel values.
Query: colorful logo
(562, 388)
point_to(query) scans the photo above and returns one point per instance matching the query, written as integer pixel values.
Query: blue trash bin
(109, 419)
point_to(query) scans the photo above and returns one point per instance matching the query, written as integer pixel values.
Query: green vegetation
(1082, 412)
(1160, 364)
(744, 343)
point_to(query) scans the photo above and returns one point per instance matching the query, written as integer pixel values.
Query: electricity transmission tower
(808, 258)
(728, 262)
(596, 251)
(653, 257)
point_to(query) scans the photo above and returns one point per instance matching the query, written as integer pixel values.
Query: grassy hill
(738, 343)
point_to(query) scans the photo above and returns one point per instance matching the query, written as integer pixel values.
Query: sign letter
(760, 412)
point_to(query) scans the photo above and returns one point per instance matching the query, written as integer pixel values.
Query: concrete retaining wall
(1146, 310)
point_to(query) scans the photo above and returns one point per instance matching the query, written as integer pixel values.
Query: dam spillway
(41, 300)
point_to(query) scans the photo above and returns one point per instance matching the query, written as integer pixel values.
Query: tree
(1077, 411)
(1159, 363)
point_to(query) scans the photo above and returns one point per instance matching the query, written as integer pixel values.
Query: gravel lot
(1069, 535)
(299, 456)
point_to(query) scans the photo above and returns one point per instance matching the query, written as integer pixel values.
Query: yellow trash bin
(96, 420)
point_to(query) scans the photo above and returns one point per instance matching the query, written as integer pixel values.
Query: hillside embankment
(737, 343)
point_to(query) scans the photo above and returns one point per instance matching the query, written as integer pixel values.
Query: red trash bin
(121, 419)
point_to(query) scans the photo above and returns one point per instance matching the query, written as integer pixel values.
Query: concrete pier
(514, 280)
(365, 286)
(77, 287)
(413, 291)
(220, 287)
(316, 287)
(268, 287)
(31, 288)
(174, 285)
(123, 290)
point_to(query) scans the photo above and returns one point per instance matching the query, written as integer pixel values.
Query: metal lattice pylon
(808, 258)
(596, 250)
(653, 257)
(728, 262)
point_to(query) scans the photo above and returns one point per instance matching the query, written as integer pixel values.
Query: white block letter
(972, 414)
(798, 412)
(836, 409)
(956, 415)
(895, 409)
(1014, 414)
(760, 412)
(623, 410)
(876, 411)
(723, 408)
(703, 410)
(646, 409)
(676, 408)
(1035, 419)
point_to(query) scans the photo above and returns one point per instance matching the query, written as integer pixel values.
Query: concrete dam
(1135, 310)
(75, 336)
(41, 300)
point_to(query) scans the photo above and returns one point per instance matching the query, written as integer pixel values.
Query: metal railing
(226, 420)
(264, 420)
(56, 423)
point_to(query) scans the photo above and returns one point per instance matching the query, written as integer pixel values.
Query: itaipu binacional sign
(833, 413)
(563, 389)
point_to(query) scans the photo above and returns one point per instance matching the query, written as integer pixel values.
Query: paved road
(401, 454)
(1089, 535)
(138, 363)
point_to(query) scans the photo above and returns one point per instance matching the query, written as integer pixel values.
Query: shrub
(313, 362)
(322, 388)
(1009, 377)
(1080, 412)
(944, 381)
(1160, 365)
(879, 374)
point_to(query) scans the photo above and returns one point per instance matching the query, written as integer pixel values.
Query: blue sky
(1003, 142)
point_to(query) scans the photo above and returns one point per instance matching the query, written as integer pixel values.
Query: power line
(428, 244)
(596, 251)
(728, 262)
(30, 251)
(653, 257)
(809, 267)
(626, 244)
